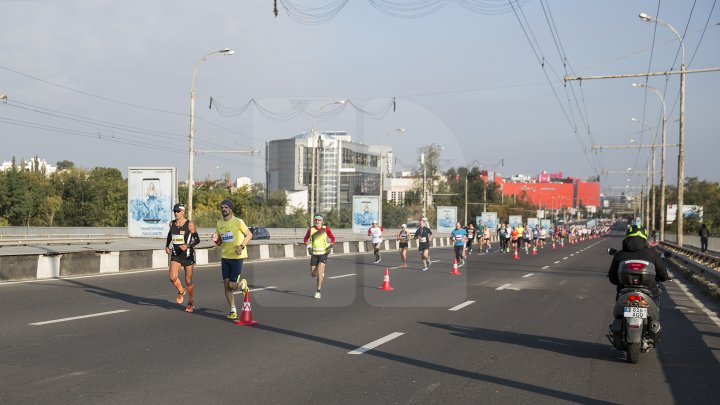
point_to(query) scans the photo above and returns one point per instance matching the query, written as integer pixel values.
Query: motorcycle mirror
(666, 255)
(611, 251)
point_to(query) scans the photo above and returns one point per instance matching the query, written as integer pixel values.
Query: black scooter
(636, 327)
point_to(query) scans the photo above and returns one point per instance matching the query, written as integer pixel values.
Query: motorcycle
(636, 326)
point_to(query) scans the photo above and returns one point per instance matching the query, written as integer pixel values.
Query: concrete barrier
(58, 265)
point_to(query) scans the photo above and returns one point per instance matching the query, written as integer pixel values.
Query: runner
(470, 229)
(543, 237)
(527, 238)
(486, 238)
(459, 237)
(376, 231)
(535, 235)
(233, 235)
(402, 238)
(424, 236)
(180, 244)
(515, 237)
(319, 239)
(508, 240)
(502, 234)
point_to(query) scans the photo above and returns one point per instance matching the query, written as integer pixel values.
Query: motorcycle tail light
(636, 266)
(637, 300)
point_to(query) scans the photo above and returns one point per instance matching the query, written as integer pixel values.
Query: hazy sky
(107, 83)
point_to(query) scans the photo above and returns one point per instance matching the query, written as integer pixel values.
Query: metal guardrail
(701, 267)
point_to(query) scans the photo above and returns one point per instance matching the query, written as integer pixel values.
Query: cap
(403, 225)
(178, 207)
(374, 221)
(228, 203)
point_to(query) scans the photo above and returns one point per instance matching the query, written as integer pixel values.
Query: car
(259, 232)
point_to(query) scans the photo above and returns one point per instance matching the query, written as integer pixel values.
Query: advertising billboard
(366, 208)
(152, 192)
(545, 223)
(688, 211)
(514, 220)
(490, 220)
(532, 222)
(446, 218)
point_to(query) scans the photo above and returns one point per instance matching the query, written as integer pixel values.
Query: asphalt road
(527, 331)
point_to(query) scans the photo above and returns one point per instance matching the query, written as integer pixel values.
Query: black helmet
(636, 230)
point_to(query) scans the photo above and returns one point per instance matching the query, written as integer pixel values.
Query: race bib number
(423, 239)
(227, 237)
(178, 240)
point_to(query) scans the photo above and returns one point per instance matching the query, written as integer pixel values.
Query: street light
(681, 136)
(314, 153)
(662, 159)
(651, 181)
(382, 173)
(225, 51)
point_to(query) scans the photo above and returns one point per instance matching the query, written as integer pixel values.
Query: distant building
(34, 164)
(343, 168)
(551, 191)
(243, 181)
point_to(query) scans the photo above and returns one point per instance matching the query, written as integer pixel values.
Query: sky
(107, 83)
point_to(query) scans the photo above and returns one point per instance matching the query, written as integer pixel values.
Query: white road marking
(255, 289)
(461, 306)
(572, 254)
(528, 275)
(80, 317)
(712, 315)
(502, 287)
(372, 345)
(557, 262)
(546, 267)
(352, 274)
(565, 258)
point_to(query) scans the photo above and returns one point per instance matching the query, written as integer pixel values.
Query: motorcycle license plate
(634, 312)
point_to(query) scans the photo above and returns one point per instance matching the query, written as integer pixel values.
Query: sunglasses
(177, 211)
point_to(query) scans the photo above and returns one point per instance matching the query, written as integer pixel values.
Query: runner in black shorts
(470, 237)
(180, 245)
(402, 238)
(424, 236)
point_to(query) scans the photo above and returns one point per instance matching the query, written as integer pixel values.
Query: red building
(551, 192)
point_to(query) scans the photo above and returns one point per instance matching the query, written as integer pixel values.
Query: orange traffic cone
(455, 271)
(386, 281)
(534, 250)
(246, 313)
(515, 256)
(553, 245)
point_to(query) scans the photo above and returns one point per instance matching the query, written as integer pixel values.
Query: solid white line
(461, 306)
(712, 315)
(80, 317)
(343, 275)
(528, 275)
(256, 289)
(372, 345)
(546, 267)
(502, 287)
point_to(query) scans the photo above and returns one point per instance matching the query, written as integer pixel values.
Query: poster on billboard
(514, 220)
(688, 212)
(446, 218)
(152, 192)
(532, 222)
(545, 223)
(366, 208)
(541, 214)
(490, 220)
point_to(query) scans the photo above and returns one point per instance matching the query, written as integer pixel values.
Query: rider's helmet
(636, 230)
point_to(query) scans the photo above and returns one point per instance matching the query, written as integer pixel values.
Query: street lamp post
(681, 136)
(424, 196)
(382, 174)
(652, 222)
(225, 51)
(314, 153)
(662, 158)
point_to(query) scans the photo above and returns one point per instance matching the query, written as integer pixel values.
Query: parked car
(259, 232)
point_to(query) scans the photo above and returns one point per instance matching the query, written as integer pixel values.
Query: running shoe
(429, 263)
(181, 296)
(463, 263)
(190, 307)
(232, 315)
(424, 269)
(317, 295)
(242, 285)
(377, 261)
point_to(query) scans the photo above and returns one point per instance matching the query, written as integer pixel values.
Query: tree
(64, 165)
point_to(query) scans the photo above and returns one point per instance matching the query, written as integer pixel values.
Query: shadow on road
(586, 350)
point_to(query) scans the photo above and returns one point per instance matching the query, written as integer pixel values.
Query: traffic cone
(455, 271)
(386, 281)
(562, 242)
(515, 256)
(246, 313)
(553, 245)
(534, 250)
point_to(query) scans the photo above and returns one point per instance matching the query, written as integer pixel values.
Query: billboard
(446, 218)
(490, 220)
(514, 220)
(532, 222)
(545, 223)
(366, 208)
(688, 211)
(151, 194)
(541, 214)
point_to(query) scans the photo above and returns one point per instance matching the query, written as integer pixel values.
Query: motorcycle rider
(635, 247)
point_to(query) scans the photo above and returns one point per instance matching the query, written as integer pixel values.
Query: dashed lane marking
(376, 343)
(544, 268)
(528, 275)
(461, 306)
(557, 262)
(565, 258)
(79, 317)
(353, 274)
